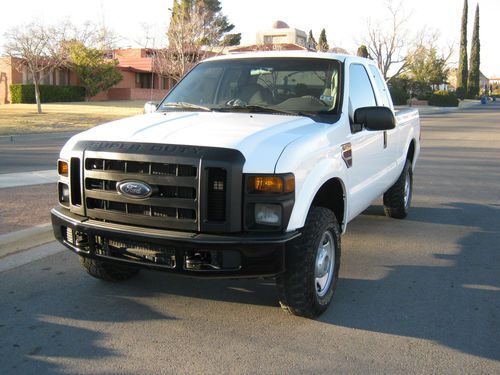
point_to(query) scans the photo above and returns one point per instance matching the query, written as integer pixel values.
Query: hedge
(48, 93)
(443, 99)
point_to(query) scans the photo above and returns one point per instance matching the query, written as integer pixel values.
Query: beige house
(452, 80)
(281, 33)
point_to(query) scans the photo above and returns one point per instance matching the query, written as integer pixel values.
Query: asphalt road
(31, 152)
(420, 295)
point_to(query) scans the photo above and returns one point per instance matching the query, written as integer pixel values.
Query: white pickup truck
(251, 166)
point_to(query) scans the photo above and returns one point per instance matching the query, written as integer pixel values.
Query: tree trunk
(37, 96)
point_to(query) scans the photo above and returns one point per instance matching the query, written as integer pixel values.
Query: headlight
(268, 214)
(63, 194)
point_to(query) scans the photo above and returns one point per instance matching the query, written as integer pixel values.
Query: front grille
(172, 204)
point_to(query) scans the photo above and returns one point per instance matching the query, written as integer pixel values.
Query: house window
(62, 77)
(143, 80)
(27, 76)
(46, 78)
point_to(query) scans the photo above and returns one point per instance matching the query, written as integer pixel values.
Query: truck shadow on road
(60, 314)
(455, 303)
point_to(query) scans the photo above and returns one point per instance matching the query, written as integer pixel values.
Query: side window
(360, 89)
(382, 88)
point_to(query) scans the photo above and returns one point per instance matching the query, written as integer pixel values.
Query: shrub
(48, 93)
(399, 94)
(443, 99)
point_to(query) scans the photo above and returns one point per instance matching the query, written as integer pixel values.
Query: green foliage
(48, 93)
(363, 52)
(96, 73)
(426, 67)
(462, 60)
(231, 39)
(473, 81)
(322, 42)
(398, 90)
(461, 92)
(215, 24)
(443, 98)
(401, 87)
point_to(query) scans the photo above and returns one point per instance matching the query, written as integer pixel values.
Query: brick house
(10, 75)
(135, 64)
(139, 82)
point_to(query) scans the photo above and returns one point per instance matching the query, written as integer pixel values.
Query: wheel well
(411, 151)
(331, 196)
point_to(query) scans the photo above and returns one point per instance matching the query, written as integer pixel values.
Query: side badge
(347, 154)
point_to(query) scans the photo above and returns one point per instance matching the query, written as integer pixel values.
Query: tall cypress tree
(322, 42)
(462, 61)
(311, 42)
(473, 82)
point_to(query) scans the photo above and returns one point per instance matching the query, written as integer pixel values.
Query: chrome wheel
(325, 264)
(407, 192)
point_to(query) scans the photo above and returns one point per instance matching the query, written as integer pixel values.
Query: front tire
(108, 271)
(312, 266)
(397, 199)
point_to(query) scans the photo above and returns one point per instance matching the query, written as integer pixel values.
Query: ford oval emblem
(134, 189)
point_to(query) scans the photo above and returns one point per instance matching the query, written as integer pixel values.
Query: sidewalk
(8, 180)
(431, 110)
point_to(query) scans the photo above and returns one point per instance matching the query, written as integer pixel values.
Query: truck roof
(293, 54)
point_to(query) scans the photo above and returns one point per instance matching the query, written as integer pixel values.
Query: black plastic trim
(261, 255)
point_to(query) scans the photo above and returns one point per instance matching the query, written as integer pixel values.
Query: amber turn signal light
(272, 184)
(62, 168)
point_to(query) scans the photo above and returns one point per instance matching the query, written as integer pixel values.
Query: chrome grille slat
(150, 179)
(160, 202)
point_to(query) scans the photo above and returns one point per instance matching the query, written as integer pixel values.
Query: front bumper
(192, 254)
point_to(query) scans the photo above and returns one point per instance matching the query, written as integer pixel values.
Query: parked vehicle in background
(252, 166)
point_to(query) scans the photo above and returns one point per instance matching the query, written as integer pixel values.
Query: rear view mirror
(150, 107)
(375, 118)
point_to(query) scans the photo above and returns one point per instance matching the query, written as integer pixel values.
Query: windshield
(271, 85)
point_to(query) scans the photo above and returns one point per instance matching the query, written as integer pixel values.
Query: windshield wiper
(257, 108)
(185, 105)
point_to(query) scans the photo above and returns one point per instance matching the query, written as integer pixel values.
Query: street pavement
(420, 295)
(31, 152)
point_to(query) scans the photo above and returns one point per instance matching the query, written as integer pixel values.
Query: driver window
(360, 88)
(360, 93)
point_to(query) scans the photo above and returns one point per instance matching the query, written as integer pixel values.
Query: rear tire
(312, 266)
(397, 199)
(108, 271)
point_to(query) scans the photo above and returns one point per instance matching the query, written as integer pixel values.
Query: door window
(360, 89)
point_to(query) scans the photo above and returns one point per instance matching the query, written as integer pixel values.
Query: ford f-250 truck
(251, 166)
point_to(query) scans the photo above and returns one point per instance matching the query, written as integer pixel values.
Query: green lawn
(57, 117)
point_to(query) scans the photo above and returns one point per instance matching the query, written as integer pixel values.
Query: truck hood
(259, 137)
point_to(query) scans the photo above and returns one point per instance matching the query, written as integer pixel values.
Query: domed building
(281, 33)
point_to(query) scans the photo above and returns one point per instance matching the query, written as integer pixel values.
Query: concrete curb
(21, 240)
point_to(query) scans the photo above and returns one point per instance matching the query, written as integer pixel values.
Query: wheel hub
(407, 189)
(325, 264)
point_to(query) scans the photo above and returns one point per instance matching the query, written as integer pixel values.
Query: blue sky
(344, 21)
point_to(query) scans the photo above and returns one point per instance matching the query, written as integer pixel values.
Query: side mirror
(375, 118)
(150, 107)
